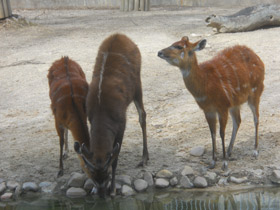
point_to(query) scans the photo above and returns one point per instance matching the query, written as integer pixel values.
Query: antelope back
(68, 90)
(115, 78)
(239, 73)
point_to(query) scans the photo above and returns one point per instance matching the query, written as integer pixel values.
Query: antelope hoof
(225, 166)
(141, 164)
(60, 173)
(256, 154)
(228, 153)
(113, 191)
(212, 164)
(65, 155)
(144, 162)
(94, 191)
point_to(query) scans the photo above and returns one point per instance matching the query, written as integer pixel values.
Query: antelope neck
(193, 80)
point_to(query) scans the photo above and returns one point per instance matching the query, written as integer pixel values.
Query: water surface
(262, 198)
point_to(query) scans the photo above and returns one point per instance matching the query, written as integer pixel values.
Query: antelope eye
(178, 47)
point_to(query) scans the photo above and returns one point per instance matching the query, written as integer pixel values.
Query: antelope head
(181, 51)
(99, 170)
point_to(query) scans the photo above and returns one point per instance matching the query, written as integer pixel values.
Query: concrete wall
(59, 4)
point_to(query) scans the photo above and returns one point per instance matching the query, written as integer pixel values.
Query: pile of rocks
(79, 185)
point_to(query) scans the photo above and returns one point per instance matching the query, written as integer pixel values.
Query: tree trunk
(248, 19)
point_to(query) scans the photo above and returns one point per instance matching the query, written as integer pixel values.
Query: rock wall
(68, 4)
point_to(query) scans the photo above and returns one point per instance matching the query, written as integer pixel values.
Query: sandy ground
(29, 148)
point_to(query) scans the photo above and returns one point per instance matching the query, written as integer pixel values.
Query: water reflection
(159, 200)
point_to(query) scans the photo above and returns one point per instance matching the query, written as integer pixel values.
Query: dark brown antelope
(220, 85)
(115, 84)
(68, 90)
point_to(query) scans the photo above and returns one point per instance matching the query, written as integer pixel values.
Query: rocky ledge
(79, 185)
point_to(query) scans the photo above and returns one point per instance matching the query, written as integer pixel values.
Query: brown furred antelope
(68, 90)
(220, 85)
(115, 84)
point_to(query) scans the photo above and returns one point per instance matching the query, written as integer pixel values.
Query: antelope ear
(200, 45)
(185, 39)
(77, 147)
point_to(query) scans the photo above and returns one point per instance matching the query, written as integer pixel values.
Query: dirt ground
(29, 146)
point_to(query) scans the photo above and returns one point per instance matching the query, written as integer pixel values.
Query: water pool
(261, 198)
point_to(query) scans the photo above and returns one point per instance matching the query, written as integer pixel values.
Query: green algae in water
(267, 198)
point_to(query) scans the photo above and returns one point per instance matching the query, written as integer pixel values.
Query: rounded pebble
(124, 179)
(148, 177)
(173, 181)
(2, 187)
(75, 192)
(76, 180)
(12, 185)
(187, 171)
(164, 174)
(200, 182)
(197, 151)
(127, 190)
(30, 186)
(88, 184)
(162, 183)
(6, 196)
(140, 185)
(185, 182)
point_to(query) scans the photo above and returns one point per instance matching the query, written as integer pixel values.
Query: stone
(164, 174)
(76, 180)
(197, 151)
(187, 171)
(1, 180)
(89, 184)
(12, 185)
(6, 196)
(200, 182)
(76, 192)
(2, 187)
(223, 181)
(140, 185)
(30, 186)
(276, 174)
(174, 181)
(275, 177)
(48, 187)
(185, 182)
(18, 191)
(123, 179)
(238, 180)
(148, 177)
(212, 176)
(162, 183)
(118, 188)
(256, 173)
(127, 190)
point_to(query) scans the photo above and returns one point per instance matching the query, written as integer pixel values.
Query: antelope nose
(160, 54)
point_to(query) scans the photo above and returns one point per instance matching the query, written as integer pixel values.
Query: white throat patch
(185, 72)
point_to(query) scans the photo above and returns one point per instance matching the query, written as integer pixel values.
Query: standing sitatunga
(68, 90)
(220, 85)
(115, 84)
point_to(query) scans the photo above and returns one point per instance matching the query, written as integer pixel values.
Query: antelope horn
(85, 151)
(113, 153)
(81, 150)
